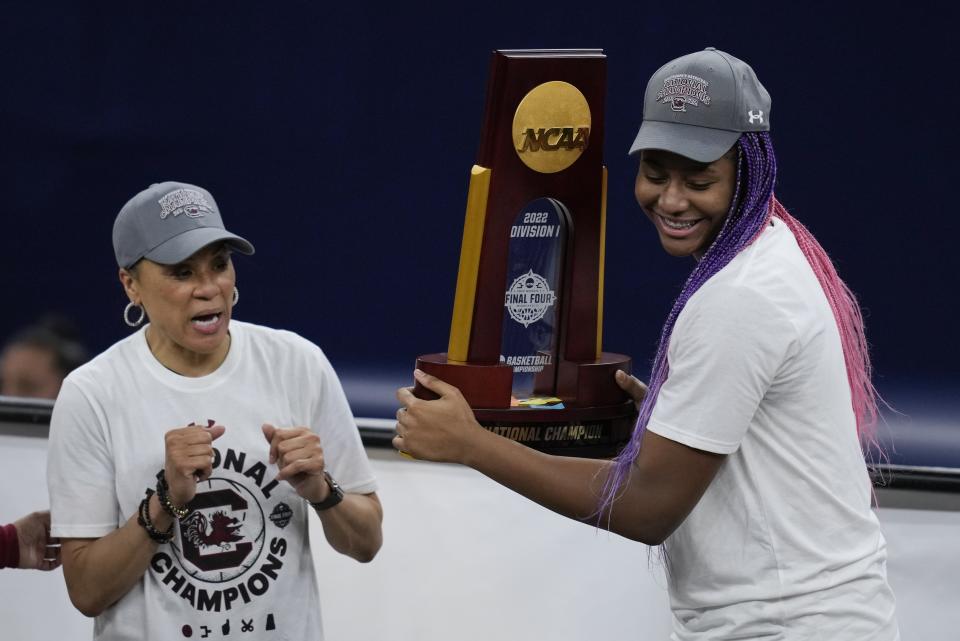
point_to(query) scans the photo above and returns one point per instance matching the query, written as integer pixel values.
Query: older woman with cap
(745, 463)
(184, 459)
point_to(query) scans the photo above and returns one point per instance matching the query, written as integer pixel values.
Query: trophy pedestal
(592, 419)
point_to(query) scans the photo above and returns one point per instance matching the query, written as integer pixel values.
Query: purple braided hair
(749, 212)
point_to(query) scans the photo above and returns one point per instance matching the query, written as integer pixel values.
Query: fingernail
(418, 373)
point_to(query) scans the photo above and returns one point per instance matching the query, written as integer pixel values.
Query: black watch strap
(334, 498)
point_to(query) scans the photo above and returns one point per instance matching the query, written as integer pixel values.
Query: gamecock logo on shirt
(224, 533)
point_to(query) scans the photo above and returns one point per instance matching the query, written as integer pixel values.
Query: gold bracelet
(162, 494)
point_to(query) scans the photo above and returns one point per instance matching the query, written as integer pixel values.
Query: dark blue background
(339, 139)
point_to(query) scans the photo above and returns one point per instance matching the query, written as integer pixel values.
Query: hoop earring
(126, 314)
(236, 296)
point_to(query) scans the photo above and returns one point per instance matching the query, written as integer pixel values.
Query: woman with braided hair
(747, 461)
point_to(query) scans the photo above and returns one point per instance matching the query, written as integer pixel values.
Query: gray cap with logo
(169, 222)
(698, 105)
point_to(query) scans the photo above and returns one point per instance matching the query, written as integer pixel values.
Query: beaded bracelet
(143, 518)
(163, 494)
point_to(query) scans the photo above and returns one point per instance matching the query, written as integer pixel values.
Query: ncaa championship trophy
(525, 340)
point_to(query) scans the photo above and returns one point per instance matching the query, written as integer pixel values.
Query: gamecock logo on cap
(683, 89)
(189, 202)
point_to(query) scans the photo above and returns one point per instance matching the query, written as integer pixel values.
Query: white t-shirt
(240, 564)
(783, 544)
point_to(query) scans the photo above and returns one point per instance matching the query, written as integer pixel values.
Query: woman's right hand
(189, 459)
(437, 430)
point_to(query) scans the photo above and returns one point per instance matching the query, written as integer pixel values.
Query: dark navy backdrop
(339, 139)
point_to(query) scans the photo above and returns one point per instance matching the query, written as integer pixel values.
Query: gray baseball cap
(698, 105)
(169, 222)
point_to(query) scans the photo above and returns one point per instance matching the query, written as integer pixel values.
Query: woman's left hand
(633, 386)
(298, 454)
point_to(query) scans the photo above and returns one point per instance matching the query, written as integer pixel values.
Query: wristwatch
(334, 498)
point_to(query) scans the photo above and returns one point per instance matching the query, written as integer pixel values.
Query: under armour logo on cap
(758, 117)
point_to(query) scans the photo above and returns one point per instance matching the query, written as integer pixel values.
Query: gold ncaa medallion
(551, 127)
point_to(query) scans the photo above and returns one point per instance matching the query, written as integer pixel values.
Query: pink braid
(846, 311)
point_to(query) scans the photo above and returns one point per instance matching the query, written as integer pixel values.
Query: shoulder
(114, 362)
(731, 298)
(762, 274)
(91, 392)
(754, 291)
(277, 344)
(282, 338)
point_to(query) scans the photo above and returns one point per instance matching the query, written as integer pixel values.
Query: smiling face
(189, 306)
(687, 201)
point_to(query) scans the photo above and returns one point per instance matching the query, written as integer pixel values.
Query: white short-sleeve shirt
(241, 561)
(783, 544)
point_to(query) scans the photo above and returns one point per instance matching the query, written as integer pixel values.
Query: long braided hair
(750, 210)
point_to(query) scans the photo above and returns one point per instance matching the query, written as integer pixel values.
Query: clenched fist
(189, 459)
(298, 454)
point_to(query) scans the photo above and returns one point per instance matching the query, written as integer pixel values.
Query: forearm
(566, 485)
(99, 573)
(353, 527)
(655, 498)
(662, 487)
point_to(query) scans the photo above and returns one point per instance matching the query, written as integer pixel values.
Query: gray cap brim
(183, 246)
(702, 144)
